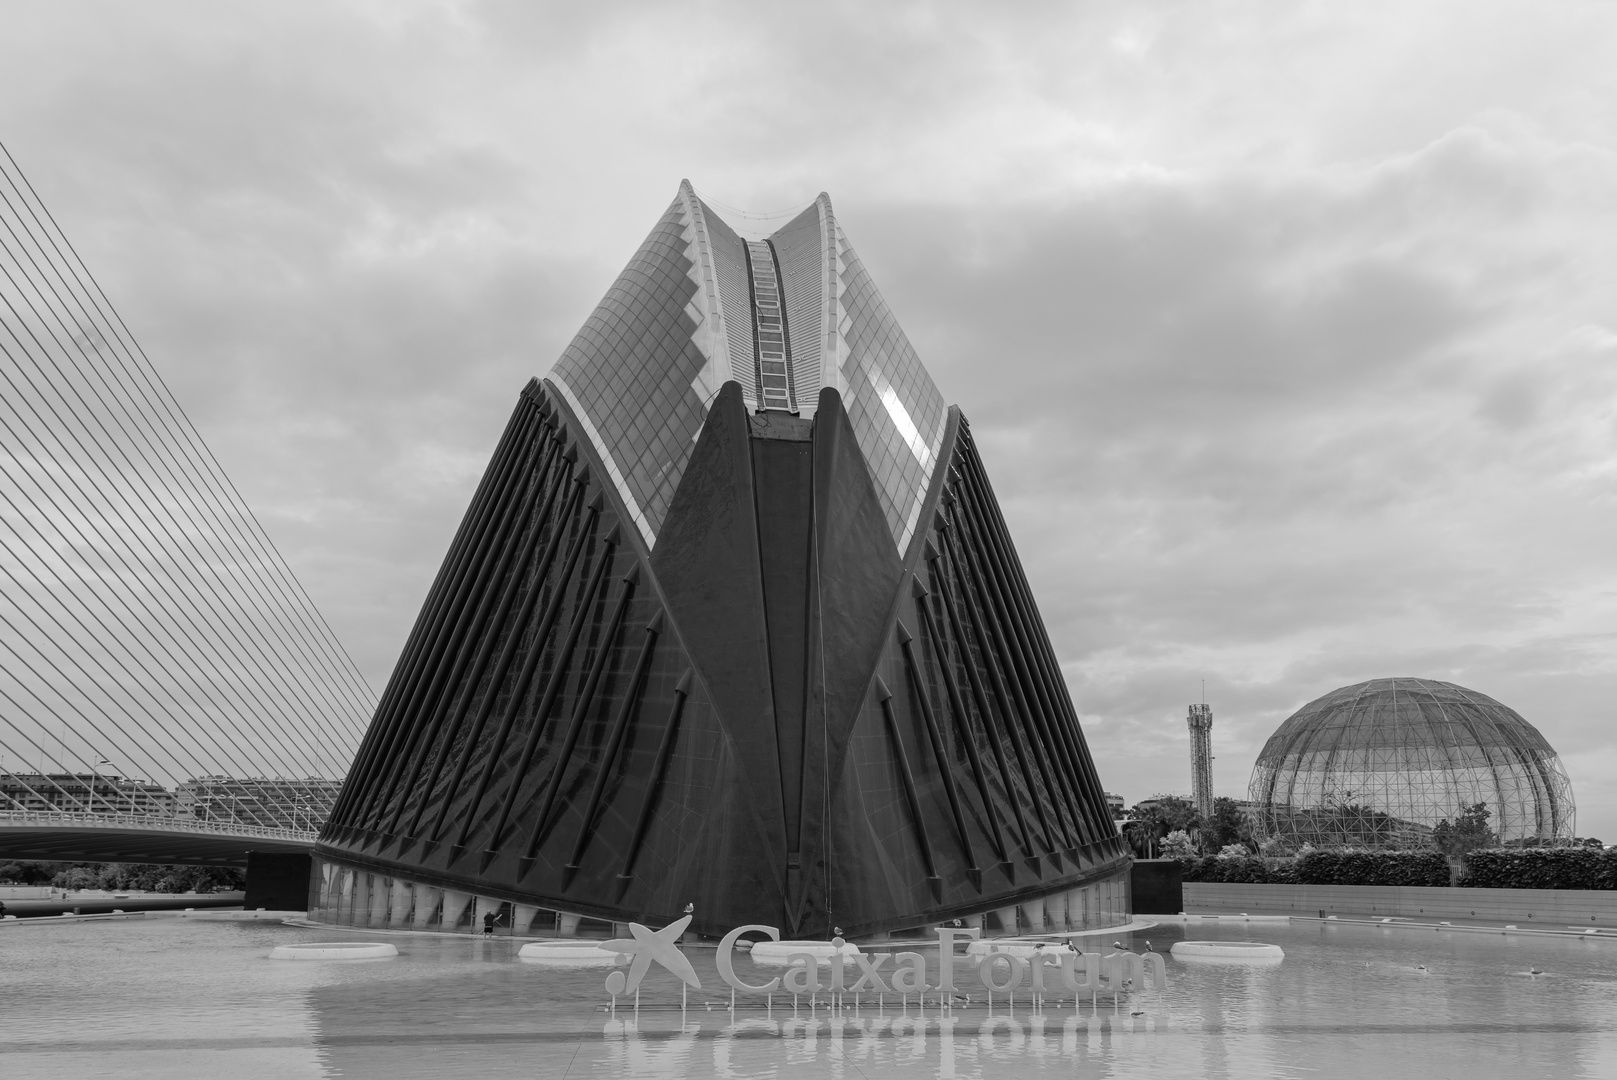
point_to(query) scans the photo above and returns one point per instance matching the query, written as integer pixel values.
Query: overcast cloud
(1288, 331)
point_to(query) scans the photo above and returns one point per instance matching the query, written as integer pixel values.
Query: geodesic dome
(1381, 763)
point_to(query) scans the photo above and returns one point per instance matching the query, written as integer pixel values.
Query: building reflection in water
(1347, 1005)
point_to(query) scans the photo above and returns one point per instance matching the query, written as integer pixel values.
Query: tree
(1141, 837)
(29, 873)
(1466, 833)
(78, 877)
(1227, 826)
(1149, 825)
(150, 877)
(1170, 810)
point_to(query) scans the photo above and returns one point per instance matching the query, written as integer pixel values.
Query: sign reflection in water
(946, 1046)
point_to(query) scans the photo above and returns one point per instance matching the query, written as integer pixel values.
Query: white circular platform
(778, 952)
(334, 950)
(1227, 950)
(568, 953)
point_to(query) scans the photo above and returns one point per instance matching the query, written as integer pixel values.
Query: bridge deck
(69, 836)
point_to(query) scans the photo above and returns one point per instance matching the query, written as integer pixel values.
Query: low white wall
(1551, 908)
(26, 892)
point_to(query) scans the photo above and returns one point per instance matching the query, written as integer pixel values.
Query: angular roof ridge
(681, 320)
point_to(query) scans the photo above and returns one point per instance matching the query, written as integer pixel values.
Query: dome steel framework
(1382, 763)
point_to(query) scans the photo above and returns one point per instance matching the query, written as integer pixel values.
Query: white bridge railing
(147, 822)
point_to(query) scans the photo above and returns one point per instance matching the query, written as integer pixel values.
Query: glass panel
(632, 364)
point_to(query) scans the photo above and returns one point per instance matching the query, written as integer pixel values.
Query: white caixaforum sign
(1045, 971)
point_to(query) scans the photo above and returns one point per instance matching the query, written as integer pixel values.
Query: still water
(193, 998)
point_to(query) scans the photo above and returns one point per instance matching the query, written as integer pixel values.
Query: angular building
(733, 621)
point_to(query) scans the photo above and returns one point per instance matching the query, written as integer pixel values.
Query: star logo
(648, 945)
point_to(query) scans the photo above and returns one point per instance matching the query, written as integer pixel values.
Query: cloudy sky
(1288, 331)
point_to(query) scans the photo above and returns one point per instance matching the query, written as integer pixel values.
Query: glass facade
(896, 409)
(630, 372)
(643, 376)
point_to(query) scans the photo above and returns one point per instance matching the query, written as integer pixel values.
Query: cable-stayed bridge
(168, 690)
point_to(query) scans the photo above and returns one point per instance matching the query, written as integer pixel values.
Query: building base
(1157, 886)
(341, 894)
(276, 881)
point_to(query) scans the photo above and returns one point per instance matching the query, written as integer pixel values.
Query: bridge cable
(63, 514)
(78, 394)
(243, 561)
(169, 407)
(290, 587)
(204, 622)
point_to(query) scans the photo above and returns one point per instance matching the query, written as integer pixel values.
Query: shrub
(150, 877)
(1246, 869)
(1541, 868)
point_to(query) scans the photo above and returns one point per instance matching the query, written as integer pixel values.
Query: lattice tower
(1201, 759)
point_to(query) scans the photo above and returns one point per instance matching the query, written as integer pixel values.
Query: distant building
(103, 793)
(1114, 803)
(274, 802)
(1248, 808)
(1155, 802)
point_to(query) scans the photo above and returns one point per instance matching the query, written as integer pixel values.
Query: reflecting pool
(166, 997)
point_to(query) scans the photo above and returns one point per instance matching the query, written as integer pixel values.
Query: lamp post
(95, 772)
(110, 804)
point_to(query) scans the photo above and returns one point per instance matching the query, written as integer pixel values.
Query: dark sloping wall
(771, 717)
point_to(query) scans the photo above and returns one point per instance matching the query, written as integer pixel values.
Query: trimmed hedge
(1541, 868)
(1324, 868)
(1425, 868)
(1491, 868)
